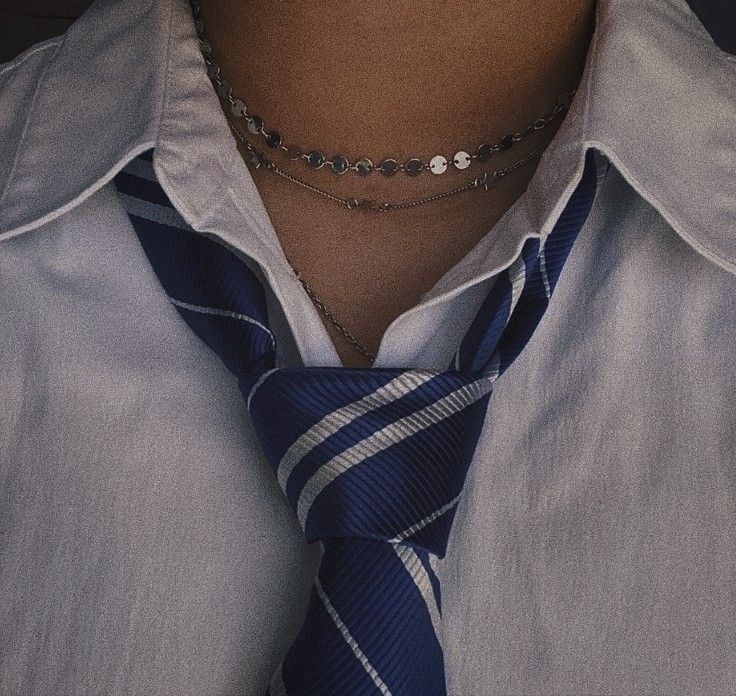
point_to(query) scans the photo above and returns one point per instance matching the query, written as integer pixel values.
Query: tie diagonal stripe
(332, 422)
(427, 520)
(380, 684)
(223, 313)
(517, 276)
(386, 437)
(154, 212)
(543, 271)
(418, 573)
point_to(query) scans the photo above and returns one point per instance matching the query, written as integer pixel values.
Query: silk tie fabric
(372, 461)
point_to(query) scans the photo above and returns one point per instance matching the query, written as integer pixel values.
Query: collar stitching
(30, 51)
(164, 97)
(30, 112)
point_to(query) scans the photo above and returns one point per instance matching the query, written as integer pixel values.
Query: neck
(384, 78)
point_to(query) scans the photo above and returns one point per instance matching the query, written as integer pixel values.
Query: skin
(404, 79)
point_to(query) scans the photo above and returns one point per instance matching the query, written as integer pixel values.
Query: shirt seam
(164, 100)
(29, 112)
(672, 220)
(30, 51)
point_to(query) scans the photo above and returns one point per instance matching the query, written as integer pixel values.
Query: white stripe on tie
(257, 384)
(153, 211)
(386, 437)
(543, 269)
(367, 666)
(223, 313)
(517, 276)
(494, 366)
(141, 168)
(419, 575)
(400, 386)
(427, 520)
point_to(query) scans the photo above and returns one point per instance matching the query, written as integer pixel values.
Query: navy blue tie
(372, 461)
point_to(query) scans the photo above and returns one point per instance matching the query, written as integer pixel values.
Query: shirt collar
(658, 98)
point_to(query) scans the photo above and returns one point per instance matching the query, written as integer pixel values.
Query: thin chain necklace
(322, 307)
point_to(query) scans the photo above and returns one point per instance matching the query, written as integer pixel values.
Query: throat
(400, 81)
(398, 78)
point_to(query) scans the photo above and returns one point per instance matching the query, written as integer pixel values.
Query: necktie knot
(371, 453)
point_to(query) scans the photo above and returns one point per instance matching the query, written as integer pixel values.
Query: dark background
(25, 22)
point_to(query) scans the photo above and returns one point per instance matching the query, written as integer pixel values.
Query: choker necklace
(340, 164)
(485, 182)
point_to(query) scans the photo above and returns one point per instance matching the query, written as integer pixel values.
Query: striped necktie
(373, 461)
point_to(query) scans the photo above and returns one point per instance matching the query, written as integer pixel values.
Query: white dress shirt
(145, 547)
